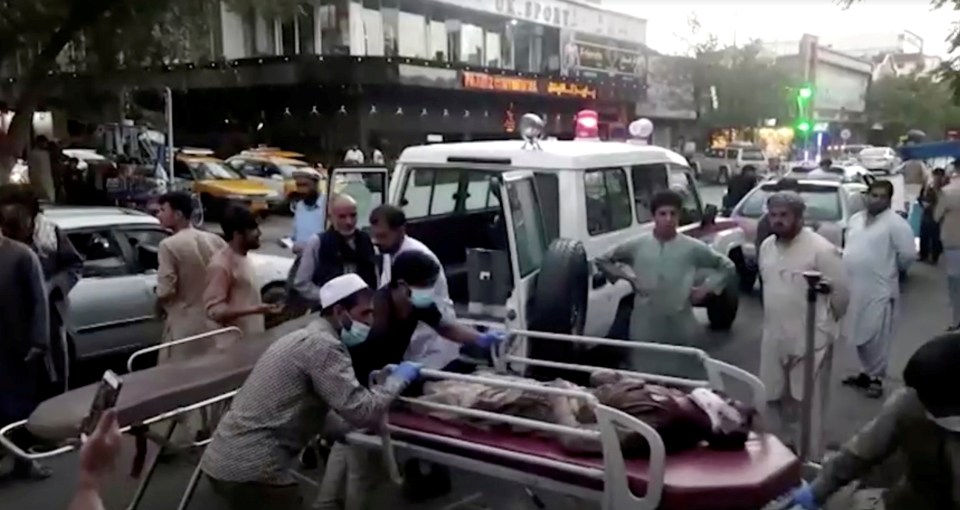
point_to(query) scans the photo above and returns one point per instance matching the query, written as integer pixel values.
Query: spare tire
(559, 306)
(722, 308)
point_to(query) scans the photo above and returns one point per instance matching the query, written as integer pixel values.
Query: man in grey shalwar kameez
(24, 321)
(879, 246)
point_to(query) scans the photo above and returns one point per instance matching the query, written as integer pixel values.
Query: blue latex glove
(407, 371)
(490, 339)
(803, 497)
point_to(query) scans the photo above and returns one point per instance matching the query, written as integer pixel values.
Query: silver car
(112, 308)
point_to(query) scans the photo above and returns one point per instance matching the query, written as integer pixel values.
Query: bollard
(816, 286)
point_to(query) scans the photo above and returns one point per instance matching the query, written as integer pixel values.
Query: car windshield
(823, 203)
(752, 155)
(216, 170)
(873, 153)
(289, 170)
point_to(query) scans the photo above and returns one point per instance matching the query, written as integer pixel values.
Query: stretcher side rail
(10, 446)
(614, 476)
(232, 330)
(715, 369)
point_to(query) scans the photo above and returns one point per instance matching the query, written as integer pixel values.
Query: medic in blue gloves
(399, 309)
(921, 422)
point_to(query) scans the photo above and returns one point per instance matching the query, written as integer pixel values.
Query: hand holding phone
(106, 398)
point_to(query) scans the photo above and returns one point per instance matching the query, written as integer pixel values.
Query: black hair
(886, 186)
(391, 215)
(416, 268)
(349, 301)
(20, 194)
(933, 371)
(178, 201)
(666, 198)
(939, 171)
(237, 219)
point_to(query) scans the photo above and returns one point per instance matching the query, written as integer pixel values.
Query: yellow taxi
(217, 184)
(275, 168)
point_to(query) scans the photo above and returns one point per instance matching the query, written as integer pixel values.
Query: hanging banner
(581, 58)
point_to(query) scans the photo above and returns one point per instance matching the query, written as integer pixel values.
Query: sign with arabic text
(564, 89)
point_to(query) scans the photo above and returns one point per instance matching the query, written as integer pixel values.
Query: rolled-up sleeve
(332, 375)
(216, 295)
(303, 281)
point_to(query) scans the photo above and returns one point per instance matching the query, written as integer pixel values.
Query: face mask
(951, 423)
(421, 298)
(354, 334)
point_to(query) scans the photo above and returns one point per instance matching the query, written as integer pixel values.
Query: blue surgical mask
(421, 298)
(355, 334)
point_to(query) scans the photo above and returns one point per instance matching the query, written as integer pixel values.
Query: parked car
(514, 255)
(719, 165)
(860, 175)
(830, 204)
(880, 159)
(218, 185)
(112, 308)
(275, 169)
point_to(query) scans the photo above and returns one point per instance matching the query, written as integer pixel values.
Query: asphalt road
(924, 315)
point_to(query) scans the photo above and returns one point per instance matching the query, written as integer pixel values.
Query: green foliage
(749, 88)
(913, 102)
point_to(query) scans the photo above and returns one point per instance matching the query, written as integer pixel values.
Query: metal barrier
(232, 330)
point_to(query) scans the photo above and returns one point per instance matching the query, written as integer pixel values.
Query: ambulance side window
(647, 181)
(607, 197)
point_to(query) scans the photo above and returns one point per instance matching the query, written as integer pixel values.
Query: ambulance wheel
(722, 309)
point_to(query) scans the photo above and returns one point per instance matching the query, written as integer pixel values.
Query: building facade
(390, 73)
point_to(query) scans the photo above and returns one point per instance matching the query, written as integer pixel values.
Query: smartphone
(105, 398)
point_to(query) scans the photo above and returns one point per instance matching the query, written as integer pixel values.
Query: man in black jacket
(339, 250)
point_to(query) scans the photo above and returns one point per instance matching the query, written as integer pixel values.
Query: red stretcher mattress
(699, 479)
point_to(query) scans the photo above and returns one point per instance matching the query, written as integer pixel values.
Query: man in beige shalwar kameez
(784, 257)
(181, 281)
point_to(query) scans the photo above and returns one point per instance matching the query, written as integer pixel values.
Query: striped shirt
(291, 394)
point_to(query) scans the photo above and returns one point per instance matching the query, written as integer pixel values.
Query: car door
(526, 237)
(111, 307)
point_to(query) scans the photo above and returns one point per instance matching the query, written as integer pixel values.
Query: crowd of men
(329, 377)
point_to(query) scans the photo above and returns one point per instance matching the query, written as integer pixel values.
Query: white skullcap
(339, 288)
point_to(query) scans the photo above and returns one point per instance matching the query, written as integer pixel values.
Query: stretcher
(699, 479)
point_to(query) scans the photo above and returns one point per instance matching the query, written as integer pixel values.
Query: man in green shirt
(667, 264)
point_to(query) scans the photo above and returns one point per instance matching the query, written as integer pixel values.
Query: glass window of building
(453, 39)
(414, 30)
(334, 21)
(471, 44)
(437, 36)
(528, 41)
(307, 29)
(390, 11)
(287, 35)
(371, 30)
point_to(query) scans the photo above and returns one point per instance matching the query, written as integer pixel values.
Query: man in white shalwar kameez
(879, 246)
(784, 257)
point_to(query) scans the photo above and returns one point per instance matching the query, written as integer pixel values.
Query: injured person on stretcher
(684, 419)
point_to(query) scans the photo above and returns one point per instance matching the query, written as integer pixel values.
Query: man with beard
(921, 423)
(310, 214)
(783, 258)
(339, 250)
(24, 321)
(879, 246)
(232, 297)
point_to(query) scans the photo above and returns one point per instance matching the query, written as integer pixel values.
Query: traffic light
(805, 93)
(803, 127)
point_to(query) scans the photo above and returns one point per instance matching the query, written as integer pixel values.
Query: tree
(902, 103)
(748, 87)
(111, 35)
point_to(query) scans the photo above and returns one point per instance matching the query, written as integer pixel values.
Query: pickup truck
(718, 165)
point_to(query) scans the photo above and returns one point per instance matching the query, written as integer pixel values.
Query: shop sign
(564, 89)
(481, 81)
(565, 15)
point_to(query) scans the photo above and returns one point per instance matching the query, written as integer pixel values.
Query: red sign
(481, 81)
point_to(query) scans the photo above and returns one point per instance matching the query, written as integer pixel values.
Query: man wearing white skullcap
(300, 387)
